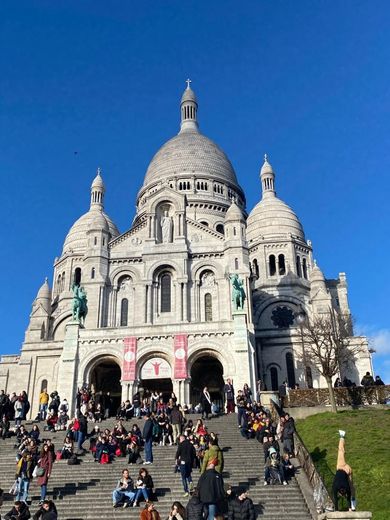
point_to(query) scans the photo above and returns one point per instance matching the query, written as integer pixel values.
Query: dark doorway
(207, 371)
(106, 377)
(158, 385)
(274, 378)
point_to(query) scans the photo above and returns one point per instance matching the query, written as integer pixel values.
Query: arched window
(92, 273)
(165, 288)
(44, 385)
(208, 307)
(236, 263)
(204, 223)
(274, 378)
(124, 311)
(299, 270)
(43, 331)
(290, 370)
(95, 241)
(272, 265)
(256, 268)
(63, 281)
(304, 268)
(220, 229)
(309, 377)
(234, 231)
(282, 265)
(77, 276)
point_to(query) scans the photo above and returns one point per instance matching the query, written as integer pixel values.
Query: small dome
(98, 181)
(188, 95)
(316, 275)
(77, 238)
(233, 213)
(272, 217)
(44, 291)
(266, 168)
(190, 153)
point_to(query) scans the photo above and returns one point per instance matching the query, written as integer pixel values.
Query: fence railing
(351, 396)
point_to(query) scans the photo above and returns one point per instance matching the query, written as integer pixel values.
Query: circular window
(282, 317)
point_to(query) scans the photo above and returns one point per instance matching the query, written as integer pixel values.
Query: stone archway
(105, 380)
(207, 371)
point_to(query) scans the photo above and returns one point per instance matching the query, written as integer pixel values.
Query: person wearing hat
(241, 507)
(273, 469)
(211, 489)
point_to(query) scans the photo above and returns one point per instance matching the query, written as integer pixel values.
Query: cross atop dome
(188, 81)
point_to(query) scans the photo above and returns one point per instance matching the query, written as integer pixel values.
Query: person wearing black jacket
(241, 507)
(147, 435)
(185, 457)
(211, 490)
(47, 511)
(194, 509)
(20, 511)
(288, 434)
(83, 432)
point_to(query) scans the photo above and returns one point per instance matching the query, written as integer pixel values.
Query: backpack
(73, 460)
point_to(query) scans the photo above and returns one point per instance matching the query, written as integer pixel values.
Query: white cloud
(379, 339)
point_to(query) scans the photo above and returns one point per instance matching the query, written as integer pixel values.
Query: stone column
(67, 369)
(187, 391)
(125, 390)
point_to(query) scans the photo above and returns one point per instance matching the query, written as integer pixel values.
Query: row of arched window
(277, 266)
(301, 267)
(184, 185)
(218, 188)
(290, 374)
(189, 112)
(200, 185)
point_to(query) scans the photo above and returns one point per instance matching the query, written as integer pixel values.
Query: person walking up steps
(342, 482)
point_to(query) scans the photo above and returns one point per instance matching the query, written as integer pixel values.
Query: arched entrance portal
(106, 379)
(156, 376)
(207, 371)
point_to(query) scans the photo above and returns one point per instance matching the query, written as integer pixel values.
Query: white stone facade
(168, 275)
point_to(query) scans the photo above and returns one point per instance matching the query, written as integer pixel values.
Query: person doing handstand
(342, 482)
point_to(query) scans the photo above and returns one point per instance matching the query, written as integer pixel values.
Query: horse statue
(79, 304)
(238, 292)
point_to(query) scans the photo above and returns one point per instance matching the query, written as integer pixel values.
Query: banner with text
(129, 358)
(180, 345)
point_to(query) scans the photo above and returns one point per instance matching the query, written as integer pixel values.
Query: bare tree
(328, 345)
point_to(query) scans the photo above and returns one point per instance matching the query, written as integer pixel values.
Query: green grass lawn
(367, 452)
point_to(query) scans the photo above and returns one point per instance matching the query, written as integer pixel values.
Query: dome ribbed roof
(77, 240)
(272, 217)
(190, 152)
(316, 275)
(233, 213)
(44, 291)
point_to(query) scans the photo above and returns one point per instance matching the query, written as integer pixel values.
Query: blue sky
(307, 82)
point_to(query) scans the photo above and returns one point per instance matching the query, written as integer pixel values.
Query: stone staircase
(86, 489)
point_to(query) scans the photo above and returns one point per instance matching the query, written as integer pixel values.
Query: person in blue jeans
(144, 486)
(124, 490)
(24, 470)
(147, 435)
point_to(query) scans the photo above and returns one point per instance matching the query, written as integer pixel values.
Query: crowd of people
(164, 423)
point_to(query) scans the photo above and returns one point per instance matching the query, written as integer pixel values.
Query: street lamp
(301, 318)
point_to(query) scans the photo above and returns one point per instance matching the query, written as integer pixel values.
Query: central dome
(192, 153)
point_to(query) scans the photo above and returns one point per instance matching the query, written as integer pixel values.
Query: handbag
(14, 488)
(39, 472)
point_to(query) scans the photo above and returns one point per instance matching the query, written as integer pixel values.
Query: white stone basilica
(160, 314)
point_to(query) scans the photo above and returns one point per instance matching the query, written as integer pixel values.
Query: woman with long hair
(46, 463)
(177, 512)
(144, 486)
(149, 513)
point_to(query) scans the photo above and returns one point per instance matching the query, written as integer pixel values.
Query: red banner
(180, 345)
(129, 358)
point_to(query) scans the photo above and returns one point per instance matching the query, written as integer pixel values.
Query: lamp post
(301, 318)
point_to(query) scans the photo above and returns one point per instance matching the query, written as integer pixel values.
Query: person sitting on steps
(124, 490)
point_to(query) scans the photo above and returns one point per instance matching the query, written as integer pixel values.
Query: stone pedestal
(346, 515)
(67, 370)
(244, 352)
(267, 398)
